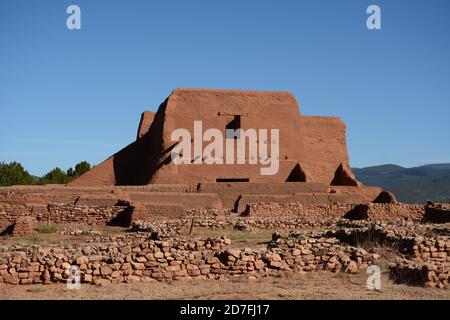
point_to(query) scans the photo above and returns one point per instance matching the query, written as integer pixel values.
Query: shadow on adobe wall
(7, 231)
(137, 163)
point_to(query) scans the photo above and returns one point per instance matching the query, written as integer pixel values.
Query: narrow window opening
(232, 180)
(234, 125)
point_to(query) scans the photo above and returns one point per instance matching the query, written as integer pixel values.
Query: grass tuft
(43, 228)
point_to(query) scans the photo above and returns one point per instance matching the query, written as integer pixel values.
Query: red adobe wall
(145, 123)
(316, 144)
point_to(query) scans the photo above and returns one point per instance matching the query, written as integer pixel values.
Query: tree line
(13, 173)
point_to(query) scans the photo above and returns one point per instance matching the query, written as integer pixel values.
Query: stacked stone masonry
(376, 211)
(437, 213)
(161, 252)
(91, 214)
(139, 258)
(59, 213)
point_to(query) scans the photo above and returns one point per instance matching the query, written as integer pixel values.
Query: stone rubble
(160, 250)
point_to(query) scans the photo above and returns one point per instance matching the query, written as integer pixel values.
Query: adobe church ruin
(312, 149)
(313, 159)
(313, 166)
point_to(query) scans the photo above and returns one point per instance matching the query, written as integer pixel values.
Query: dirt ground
(320, 285)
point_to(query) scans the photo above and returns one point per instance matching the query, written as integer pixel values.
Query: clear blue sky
(68, 96)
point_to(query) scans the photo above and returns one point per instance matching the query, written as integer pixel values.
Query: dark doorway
(296, 175)
(232, 180)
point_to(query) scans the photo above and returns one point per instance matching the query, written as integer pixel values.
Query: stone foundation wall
(138, 258)
(23, 226)
(376, 211)
(437, 213)
(436, 249)
(403, 240)
(62, 213)
(276, 215)
(59, 213)
(186, 200)
(161, 252)
(9, 213)
(430, 275)
(297, 209)
(427, 259)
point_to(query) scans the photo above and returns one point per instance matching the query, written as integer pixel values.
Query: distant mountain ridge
(410, 185)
